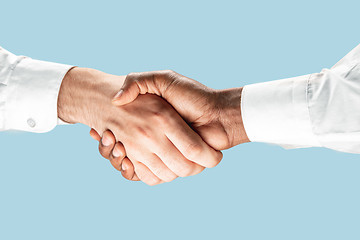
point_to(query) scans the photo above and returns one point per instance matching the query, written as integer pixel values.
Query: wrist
(84, 94)
(230, 115)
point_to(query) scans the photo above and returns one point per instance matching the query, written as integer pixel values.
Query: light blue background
(56, 185)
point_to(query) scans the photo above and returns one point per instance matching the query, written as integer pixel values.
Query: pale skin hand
(144, 127)
(214, 114)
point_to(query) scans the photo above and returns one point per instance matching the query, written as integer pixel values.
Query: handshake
(159, 126)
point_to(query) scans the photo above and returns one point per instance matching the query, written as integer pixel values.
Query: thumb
(128, 93)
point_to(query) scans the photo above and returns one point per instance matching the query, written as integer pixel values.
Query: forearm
(84, 94)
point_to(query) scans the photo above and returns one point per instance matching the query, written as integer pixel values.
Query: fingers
(94, 135)
(128, 171)
(117, 156)
(157, 166)
(191, 145)
(111, 151)
(173, 156)
(145, 174)
(106, 144)
(176, 161)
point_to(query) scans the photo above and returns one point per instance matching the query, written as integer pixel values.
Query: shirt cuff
(277, 112)
(33, 89)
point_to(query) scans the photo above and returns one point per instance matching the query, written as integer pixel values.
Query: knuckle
(144, 132)
(132, 75)
(186, 171)
(212, 163)
(153, 181)
(215, 160)
(194, 150)
(169, 72)
(164, 174)
(198, 170)
(172, 178)
(159, 106)
(159, 117)
(131, 78)
(169, 178)
(165, 75)
(181, 174)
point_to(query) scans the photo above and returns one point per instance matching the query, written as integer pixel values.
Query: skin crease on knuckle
(146, 175)
(135, 79)
(148, 179)
(156, 165)
(186, 172)
(162, 115)
(144, 132)
(151, 181)
(212, 163)
(187, 169)
(213, 160)
(194, 151)
(166, 177)
(134, 152)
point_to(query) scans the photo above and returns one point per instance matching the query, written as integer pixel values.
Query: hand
(116, 153)
(214, 114)
(159, 144)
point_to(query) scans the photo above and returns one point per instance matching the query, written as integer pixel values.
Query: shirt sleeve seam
(62, 76)
(307, 92)
(243, 112)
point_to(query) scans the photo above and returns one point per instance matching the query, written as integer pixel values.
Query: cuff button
(31, 122)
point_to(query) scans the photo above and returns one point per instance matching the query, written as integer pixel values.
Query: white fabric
(317, 110)
(28, 93)
(320, 110)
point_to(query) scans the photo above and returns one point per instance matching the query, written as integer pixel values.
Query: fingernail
(105, 141)
(118, 95)
(123, 167)
(116, 152)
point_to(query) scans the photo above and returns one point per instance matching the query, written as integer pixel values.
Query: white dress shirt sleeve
(316, 110)
(28, 93)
